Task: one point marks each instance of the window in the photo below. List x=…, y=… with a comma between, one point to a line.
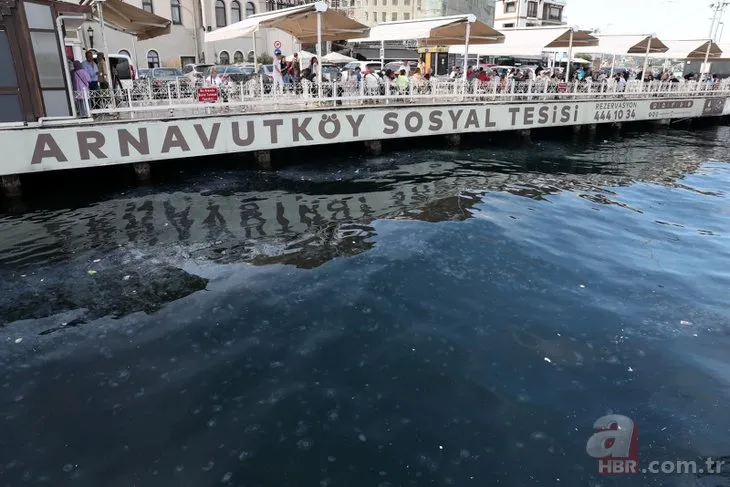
x=508, y=26
x=554, y=13
x=394, y=16
x=251, y=57
x=406, y=2
x=375, y=16
x=394, y=3
x=385, y=2
x=383, y=16
x=250, y=9
x=124, y=52
x=272, y=5
x=176, y=11
x=224, y=58
x=406, y=16
x=237, y=57
x=532, y=9
x=236, y=11
x=367, y=17
x=366, y=2
x=153, y=59
x=510, y=7
x=220, y=13
x=147, y=6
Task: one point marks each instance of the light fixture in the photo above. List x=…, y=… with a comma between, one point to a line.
x=90, y=31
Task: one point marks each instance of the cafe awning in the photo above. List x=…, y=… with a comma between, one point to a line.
x=124, y=17
x=691, y=49
x=625, y=44
x=299, y=21
x=437, y=31
x=532, y=42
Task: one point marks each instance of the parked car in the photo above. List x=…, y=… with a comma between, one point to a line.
x=196, y=71
x=125, y=69
x=233, y=74
x=396, y=65
x=161, y=78
x=349, y=69
x=143, y=73
x=331, y=73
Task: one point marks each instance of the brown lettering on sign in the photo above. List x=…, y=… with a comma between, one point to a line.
x=329, y=127
x=174, y=138
x=46, y=146
x=528, y=117
x=472, y=119
x=436, y=123
x=90, y=142
x=543, y=115
x=455, y=116
x=274, y=129
x=237, y=134
x=488, y=119
x=514, y=111
x=565, y=114
x=208, y=141
x=299, y=128
x=141, y=144
x=412, y=126
x=355, y=123
x=390, y=120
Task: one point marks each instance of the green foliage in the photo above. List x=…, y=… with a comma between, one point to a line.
x=265, y=59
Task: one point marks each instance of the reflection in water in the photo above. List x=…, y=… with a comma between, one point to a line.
x=443, y=318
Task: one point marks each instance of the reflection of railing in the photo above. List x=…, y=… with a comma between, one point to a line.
x=146, y=99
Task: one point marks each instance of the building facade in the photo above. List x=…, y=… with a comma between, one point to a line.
x=528, y=13
x=371, y=12
x=185, y=44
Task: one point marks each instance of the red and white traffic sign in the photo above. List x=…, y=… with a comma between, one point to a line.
x=277, y=44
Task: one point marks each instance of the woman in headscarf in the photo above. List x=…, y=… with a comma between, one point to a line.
x=81, y=80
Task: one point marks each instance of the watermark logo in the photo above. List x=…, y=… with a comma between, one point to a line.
x=615, y=444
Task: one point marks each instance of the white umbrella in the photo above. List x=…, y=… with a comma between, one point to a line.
x=337, y=58
x=577, y=60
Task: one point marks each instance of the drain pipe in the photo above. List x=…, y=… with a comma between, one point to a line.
x=66, y=72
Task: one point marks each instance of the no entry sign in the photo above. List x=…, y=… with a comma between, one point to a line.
x=277, y=44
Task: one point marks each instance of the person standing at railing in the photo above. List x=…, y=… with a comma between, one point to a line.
x=93, y=70
x=277, y=71
x=81, y=80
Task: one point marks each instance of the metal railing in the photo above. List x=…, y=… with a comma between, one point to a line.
x=183, y=98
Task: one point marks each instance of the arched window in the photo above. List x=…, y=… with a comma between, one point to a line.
x=237, y=57
x=250, y=9
x=153, y=59
x=224, y=58
x=124, y=52
x=176, y=11
x=251, y=57
x=220, y=13
x=235, y=11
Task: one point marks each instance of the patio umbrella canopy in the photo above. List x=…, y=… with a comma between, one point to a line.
x=625, y=44
x=337, y=58
x=300, y=22
x=132, y=20
x=691, y=49
x=437, y=31
x=531, y=42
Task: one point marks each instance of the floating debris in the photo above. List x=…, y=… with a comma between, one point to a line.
x=96, y=261
x=91, y=272
x=685, y=323
x=18, y=340
x=547, y=360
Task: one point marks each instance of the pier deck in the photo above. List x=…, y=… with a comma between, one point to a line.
x=145, y=127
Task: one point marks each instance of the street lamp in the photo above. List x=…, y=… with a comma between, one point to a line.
x=90, y=31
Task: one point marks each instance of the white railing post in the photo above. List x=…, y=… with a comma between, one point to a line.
x=169, y=93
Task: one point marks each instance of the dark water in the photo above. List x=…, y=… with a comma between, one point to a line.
x=429, y=317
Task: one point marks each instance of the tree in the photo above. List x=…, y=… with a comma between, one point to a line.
x=265, y=58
